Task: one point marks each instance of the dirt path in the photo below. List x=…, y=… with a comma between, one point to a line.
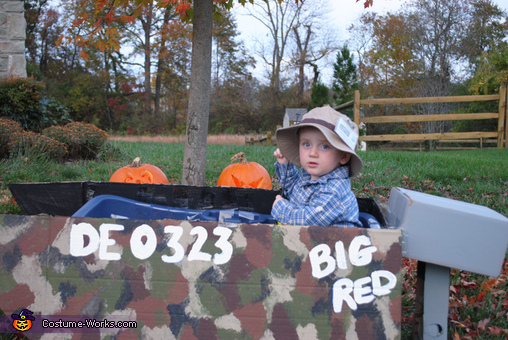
x=220, y=139
x=212, y=139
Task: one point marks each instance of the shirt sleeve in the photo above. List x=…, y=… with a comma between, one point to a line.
x=287, y=179
x=328, y=210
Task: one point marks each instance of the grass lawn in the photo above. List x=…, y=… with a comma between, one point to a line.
x=478, y=304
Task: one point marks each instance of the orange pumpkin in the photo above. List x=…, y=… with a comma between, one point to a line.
x=244, y=174
x=139, y=173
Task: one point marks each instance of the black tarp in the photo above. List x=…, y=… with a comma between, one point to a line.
x=65, y=198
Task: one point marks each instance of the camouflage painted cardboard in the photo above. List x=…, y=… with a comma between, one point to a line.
x=200, y=280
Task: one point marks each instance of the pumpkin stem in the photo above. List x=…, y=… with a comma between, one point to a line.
x=136, y=163
x=241, y=156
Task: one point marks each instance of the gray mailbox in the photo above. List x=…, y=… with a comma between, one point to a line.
x=448, y=232
x=443, y=233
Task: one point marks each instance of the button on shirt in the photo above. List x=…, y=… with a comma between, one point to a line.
x=327, y=201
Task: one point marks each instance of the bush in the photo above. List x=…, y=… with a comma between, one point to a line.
x=19, y=100
x=74, y=141
x=82, y=140
x=8, y=128
x=23, y=100
x=53, y=113
x=33, y=145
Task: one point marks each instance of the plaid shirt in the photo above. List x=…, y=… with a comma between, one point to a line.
x=327, y=201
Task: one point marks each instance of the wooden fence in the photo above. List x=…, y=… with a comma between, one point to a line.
x=501, y=135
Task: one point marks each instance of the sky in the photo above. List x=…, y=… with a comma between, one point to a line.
x=342, y=14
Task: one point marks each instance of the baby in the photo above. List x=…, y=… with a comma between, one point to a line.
x=323, y=146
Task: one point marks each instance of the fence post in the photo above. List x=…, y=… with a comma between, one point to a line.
x=501, y=126
x=356, y=114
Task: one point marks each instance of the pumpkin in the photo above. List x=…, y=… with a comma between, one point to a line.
x=139, y=173
x=244, y=174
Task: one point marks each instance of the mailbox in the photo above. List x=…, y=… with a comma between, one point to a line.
x=448, y=232
x=443, y=233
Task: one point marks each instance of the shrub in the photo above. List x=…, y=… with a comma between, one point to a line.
x=8, y=128
x=82, y=140
x=32, y=144
x=53, y=113
x=23, y=100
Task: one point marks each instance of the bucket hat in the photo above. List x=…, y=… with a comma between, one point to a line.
x=338, y=129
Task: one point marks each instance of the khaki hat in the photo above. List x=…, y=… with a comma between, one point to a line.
x=328, y=121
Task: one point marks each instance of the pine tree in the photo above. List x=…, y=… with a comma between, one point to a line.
x=345, y=78
x=320, y=95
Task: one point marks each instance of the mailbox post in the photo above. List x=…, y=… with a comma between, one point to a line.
x=443, y=233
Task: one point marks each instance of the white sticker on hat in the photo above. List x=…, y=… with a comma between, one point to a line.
x=347, y=133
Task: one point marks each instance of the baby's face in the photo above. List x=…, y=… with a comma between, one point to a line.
x=317, y=156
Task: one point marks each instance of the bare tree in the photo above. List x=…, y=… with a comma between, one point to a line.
x=162, y=59
x=361, y=35
x=487, y=28
x=312, y=43
x=438, y=28
x=279, y=17
x=141, y=35
x=230, y=59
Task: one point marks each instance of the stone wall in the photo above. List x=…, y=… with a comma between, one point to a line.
x=12, y=38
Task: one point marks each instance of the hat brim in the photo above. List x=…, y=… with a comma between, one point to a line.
x=287, y=141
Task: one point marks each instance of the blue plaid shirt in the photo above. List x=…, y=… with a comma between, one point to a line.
x=328, y=201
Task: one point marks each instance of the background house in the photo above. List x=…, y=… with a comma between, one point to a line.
x=293, y=116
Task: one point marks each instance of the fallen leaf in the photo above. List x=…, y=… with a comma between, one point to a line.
x=494, y=330
x=469, y=283
x=481, y=296
x=488, y=285
x=483, y=323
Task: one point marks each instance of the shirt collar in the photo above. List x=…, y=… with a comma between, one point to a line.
x=341, y=172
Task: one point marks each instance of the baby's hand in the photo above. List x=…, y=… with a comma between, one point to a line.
x=277, y=198
x=280, y=157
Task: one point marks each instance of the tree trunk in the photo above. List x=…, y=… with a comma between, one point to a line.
x=161, y=64
x=194, y=159
x=147, y=28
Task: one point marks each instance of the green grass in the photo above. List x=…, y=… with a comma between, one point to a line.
x=475, y=176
